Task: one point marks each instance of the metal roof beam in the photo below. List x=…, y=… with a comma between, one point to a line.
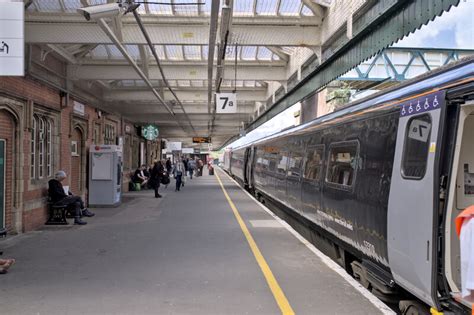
x=198, y=72
x=166, y=34
x=279, y=52
x=184, y=96
x=318, y=10
x=63, y=53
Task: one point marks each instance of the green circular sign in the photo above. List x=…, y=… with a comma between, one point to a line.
x=150, y=132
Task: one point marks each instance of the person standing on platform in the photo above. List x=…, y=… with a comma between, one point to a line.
x=169, y=166
x=156, y=175
x=191, y=168
x=200, y=165
x=178, y=172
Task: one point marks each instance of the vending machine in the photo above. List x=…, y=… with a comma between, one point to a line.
x=105, y=175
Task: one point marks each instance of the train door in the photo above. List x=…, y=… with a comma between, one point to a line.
x=293, y=177
x=311, y=181
x=414, y=196
x=460, y=195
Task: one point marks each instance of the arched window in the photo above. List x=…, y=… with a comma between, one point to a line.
x=49, y=148
x=33, y=148
x=41, y=147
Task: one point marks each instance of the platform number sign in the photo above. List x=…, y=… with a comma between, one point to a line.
x=226, y=103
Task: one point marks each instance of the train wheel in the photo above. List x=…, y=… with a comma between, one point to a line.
x=413, y=308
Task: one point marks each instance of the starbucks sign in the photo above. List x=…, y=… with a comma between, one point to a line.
x=150, y=132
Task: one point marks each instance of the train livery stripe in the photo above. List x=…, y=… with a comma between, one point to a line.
x=277, y=292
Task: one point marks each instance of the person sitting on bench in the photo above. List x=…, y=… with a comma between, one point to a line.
x=139, y=177
x=58, y=197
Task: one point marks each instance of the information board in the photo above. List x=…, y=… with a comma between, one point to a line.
x=12, y=43
x=102, y=166
x=201, y=139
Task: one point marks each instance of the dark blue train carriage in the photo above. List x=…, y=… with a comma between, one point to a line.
x=377, y=185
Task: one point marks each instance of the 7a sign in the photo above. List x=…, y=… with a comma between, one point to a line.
x=226, y=103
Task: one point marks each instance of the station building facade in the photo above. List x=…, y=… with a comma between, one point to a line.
x=44, y=130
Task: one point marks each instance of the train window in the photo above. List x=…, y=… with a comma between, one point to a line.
x=282, y=163
x=295, y=163
x=342, y=165
x=417, y=145
x=314, y=163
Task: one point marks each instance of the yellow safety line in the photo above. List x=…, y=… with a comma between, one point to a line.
x=278, y=294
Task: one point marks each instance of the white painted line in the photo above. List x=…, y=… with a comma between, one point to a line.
x=328, y=261
x=265, y=224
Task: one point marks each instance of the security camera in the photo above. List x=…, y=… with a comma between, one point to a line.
x=100, y=11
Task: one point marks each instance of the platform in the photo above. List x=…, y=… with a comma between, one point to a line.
x=186, y=253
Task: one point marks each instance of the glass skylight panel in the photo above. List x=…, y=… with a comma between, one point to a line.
x=114, y=52
x=96, y=2
x=192, y=52
x=306, y=11
x=49, y=6
x=160, y=51
x=184, y=83
x=133, y=51
x=205, y=51
x=72, y=5
x=128, y=83
x=267, y=7
x=248, y=52
x=164, y=9
x=230, y=52
x=275, y=57
x=197, y=83
x=249, y=83
x=206, y=8
x=243, y=7
x=100, y=52
x=264, y=54
x=174, y=52
x=290, y=8
x=185, y=9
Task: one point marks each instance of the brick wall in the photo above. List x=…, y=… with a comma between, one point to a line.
x=6, y=133
x=40, y=99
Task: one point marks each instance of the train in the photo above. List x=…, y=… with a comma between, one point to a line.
x=377, y=185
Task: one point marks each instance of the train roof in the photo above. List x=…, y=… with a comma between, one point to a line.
x=433, y=80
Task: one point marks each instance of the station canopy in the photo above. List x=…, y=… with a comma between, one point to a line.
x=258, y=45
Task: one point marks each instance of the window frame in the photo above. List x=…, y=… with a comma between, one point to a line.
x=323, y=160
x=33, y=142
x=348, y=188
x=428, y=142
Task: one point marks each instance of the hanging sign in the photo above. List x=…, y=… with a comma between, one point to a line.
x=226, y=103
x=12, y=43
x=174, y=146
x=201, y=139
x=150, y=132
x=187, y=150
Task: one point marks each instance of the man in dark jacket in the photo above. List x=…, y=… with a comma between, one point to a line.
x=156, y=175
x=59, y=197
